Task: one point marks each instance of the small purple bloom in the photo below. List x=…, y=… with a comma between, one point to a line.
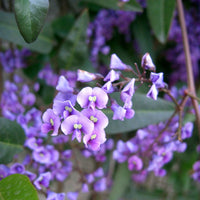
x=55, y=196
x=153, y=92
x=85, y=188
x=118, y=111
x=94, y=140
x=135, y=163
x=99, y=172
x=17, y=168
x=147, y=62
x=43, y=180
x=42, y=155
x=157, y=80
x=90, y=97
x=4, y=171
x=100, y=185
x=76, y=124
x=196, y=171
x=116, y=63
x=128, y=91
x=30, y=175
x=51, y=122
x=72, y=195
x=108, y=87
x=63, y=85
x=186, y=131
x=112, y=76
x=64, y=108
x=84, y=76
x=99, y=119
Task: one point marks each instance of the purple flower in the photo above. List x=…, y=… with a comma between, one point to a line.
x=124, y=149
x=99, y=172
x=140, y=177
x=51, y=122
x=186, y=131
x=76, y=124
x=64, y=108
x=128, y=91
x=118, y=111
x=4, y=171
x=99, y=119
x=42, y=155
x=43, y=180
x=147, y=62
x=72, y=195
x=94, y=140
x=112, y=76
x=116, y=63
x=196, y=171
x=28, y=99
x=90, y=97
x=17, y=168
x=108, y=87
x=30, y=175
x=100, y=185
x=153, y=92
x=84, y=76
x=135, y=163
x=157, y=80
x=63, y=85
x=55, y=196
x=33, y=143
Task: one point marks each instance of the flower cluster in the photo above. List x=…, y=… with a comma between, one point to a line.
x=14, y=59
x=151, y=148
x=175, y=55
x=91, y=121
x=102, y=28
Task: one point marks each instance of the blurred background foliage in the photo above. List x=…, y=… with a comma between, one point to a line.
x=59, y=36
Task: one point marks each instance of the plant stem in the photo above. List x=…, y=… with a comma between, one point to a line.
x=190, y=77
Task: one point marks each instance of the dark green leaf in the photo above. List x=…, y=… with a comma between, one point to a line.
x=73, y=51
x=115, y=4
x=62, y=25
x=143, y=35
x=160, y=14
x=121, y=182
x=17, y=187
x=9, y=31
x=147, y=111
x=30, y=16
x=12, y=138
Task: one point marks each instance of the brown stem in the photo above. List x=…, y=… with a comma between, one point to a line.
x=190, y=77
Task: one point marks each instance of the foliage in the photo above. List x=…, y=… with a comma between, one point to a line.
x=69, y=65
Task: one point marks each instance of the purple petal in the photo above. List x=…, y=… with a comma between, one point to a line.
x=153, y=92
x=101, y=97
x=83, y=97
x=63, y=85
x=67, y=125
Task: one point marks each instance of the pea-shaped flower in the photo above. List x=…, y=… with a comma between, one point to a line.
x=92, y=97
x=77, y=124
x=51, y=122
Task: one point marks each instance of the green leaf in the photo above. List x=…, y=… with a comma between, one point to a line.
x=9, y=31
x=147, y=111
x=62, y=25
x=12, y=138
x=30, y=16
x=121, y=182
x=17, y=187
x=160, y=14
x=73, y=51
x=143, y=35
x=115, y=4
